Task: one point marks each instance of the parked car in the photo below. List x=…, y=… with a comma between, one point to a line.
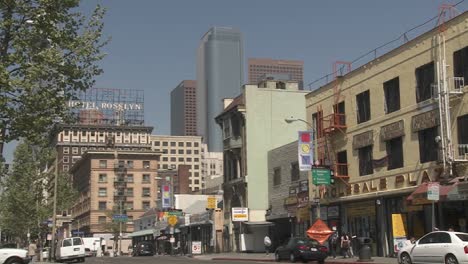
x=144, y=248
x=69, y=249
x=14, y=256
x=301, y=248
x=437, y=247
x=45, y=253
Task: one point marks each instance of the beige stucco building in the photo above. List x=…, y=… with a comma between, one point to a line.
x=381, y=129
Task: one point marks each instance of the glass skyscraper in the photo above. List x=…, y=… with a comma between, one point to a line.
x=220, y=70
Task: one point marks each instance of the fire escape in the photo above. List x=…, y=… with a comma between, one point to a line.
x=120, y=183
x=445, y=90
x=329, y=125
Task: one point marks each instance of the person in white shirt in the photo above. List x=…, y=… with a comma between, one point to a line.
x=267, y=242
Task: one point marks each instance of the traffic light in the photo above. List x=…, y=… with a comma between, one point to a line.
x=332, y=176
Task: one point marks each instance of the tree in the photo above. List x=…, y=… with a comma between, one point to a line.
x=23, y=205
x=48, y=52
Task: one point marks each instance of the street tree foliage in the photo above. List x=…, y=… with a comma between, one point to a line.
x=48, y=52
x=113, y=226
x=26, y=201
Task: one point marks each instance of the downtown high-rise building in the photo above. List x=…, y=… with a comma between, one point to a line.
x=219, y=75
x=261, y=68
x=184, y=109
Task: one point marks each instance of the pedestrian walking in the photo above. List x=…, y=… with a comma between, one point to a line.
x=267, y=243
x=334, y=242
x=345, y=245
x=32, y=248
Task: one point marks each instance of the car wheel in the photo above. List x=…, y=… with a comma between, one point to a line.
x=292, y=258
x=405, y=258
x=277, y=257
x=14, y=261
x=451, y=259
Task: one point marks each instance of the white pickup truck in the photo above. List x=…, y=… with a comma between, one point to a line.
x=14, y=256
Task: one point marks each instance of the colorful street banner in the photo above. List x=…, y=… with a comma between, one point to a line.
x=166, y=196
x=305, y=150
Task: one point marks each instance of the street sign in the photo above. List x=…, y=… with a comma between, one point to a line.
x=320, y=176
x=240, y=214
x=176, y=213
x=196, y=247
x=211, y=202
x=433, y=191
x=120, y=218
x=172, y=220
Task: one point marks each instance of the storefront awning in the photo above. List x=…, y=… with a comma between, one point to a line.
x=141, y=233
x=259, y=223
x=419, y=196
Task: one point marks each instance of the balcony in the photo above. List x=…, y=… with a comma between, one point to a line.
x=232, y=142
x=341, y=170
x=333, y=122
x=462, y=152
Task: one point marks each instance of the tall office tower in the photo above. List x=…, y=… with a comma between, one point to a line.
x=259, y=68
x=184, y=109
x=219, y=75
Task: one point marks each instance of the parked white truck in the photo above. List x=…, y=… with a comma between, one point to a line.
x=14, y=256
x=93, y=246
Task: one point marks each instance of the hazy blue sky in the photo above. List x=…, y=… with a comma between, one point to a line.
x=154, y=42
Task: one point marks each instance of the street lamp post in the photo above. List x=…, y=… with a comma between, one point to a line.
x=290, y=120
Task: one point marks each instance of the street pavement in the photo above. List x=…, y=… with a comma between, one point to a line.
x=224, y=258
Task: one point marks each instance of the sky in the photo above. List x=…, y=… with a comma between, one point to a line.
x=154, y=42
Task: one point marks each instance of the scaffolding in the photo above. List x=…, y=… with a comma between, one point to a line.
x=106, y=106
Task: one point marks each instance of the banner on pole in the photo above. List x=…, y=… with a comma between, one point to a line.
x=305, y=150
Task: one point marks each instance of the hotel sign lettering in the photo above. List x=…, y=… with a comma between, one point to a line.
x=363, y=139
x=392, y=130
x=425, y=120
x=104, y=105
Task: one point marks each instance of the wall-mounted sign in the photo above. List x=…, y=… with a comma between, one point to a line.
x=321, y=175
x=433, y=191
x=305, y=150
x=211, y=202
x=240, y=214
x=166, y=196
x=304, y=186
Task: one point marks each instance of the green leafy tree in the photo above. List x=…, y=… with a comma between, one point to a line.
x=23, y=203
x=48, y=52
x=114, y=226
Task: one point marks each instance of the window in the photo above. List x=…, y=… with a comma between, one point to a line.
x=129, y=205
x=146, y=192
x=394, y=153
x=102, y=192
x=189, y=159
x=130, y=178
x=67, y=243
x=65, y=167
x=340, y=110
x=83, y=150
x=181, y=144
x=173, y=144
x=392, y=95
x=429, y=239
x=75, y=159
x=460, y=64
x=196, y=144
x=277, y=176
x=65, y=159
x=157, y=143
x=130, y=164
x=181, y=151
x=341, y=163
x=462, y=122
x=295, y=171
x=102, y=205
x=103, y=164
x=226, y=128
x=197, y=167
x=146, y=164
x=101, y=219
x=146, y=205
x=189, y=151
x=181, y=159
x=363, y=107
x=130, y=192
x=189, y=144
x=173, y=159
x=428, y=147
x=165, y=159
x=75, y=150
x=424, y=81
x=146, y=178
x=66, y=150
x=173, y=151
x=196, y=160
x=164, y=144
x=102, y=177
x=365, y=161
x=195, y=152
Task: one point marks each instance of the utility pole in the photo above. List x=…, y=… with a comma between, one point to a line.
x=54, y=216
x=120, y=229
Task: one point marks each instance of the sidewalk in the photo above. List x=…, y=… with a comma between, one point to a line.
x=271, y=258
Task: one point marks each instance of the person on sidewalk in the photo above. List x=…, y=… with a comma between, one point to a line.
x=345, y=245
x=334, y=242
x=32, y=248
x=267, y=243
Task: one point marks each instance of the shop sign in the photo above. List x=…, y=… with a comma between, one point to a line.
x=425, y=120
x=211, y=202
x=392, y=130
x=333, y=211
x=303, y=199
x=292, y=190
x=304, y=186
x=196, y=247
x=291, y=200
x=240, y=214
x=363, y=140
x=360, y=208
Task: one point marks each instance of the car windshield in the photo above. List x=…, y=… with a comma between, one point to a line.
x=463, y=237
x=306, y=242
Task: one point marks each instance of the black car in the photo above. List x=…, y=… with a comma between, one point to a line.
x=144, y=248
x=301, y=248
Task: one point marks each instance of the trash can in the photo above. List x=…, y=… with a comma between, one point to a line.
x=364, y=248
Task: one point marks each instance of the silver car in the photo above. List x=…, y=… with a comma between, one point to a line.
x=437, y=247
